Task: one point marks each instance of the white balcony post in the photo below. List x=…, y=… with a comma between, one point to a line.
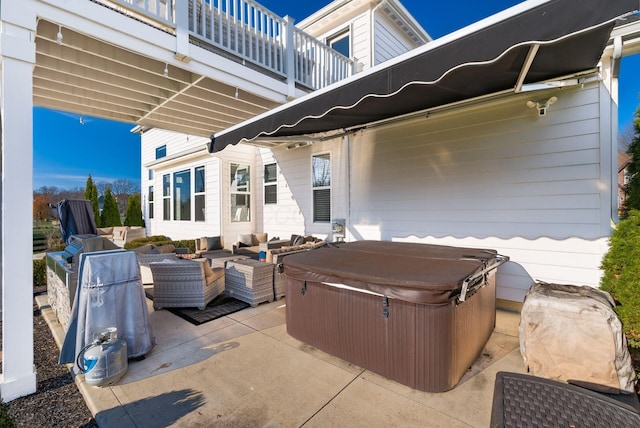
x=290, y=58
x=17, y=57
x=182, y=29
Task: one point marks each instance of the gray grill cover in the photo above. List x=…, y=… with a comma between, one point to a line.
x=110, y=294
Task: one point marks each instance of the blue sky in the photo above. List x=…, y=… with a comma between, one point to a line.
x=67, y=151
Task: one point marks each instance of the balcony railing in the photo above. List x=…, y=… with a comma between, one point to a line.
x=250, y=33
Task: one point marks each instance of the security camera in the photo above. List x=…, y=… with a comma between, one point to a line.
x=542, y=105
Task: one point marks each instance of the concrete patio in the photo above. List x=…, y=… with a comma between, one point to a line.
x=244, y=370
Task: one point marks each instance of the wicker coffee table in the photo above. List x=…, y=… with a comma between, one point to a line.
x=249, y=280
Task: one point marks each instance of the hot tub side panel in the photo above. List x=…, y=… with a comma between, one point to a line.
x=450, y=338
x=427, y=347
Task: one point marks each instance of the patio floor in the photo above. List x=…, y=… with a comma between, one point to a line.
x=244, y=370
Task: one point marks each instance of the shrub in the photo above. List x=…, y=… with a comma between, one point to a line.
x=110, y=214
x=621, y=277
x=39, y=272
x=158, y=240
x=155, y=240
x=134, y=211
x=5, y=419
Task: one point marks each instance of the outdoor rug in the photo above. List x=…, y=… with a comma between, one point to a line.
x=218, y=307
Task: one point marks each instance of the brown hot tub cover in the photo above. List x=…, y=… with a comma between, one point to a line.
x=418, y=314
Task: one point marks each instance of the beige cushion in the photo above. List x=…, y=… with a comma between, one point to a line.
x=165, y=249
x=211, y=274
x=144, y=249
x=260, y=237
x=105, y=230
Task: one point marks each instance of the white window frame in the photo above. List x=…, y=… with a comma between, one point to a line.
x=235, y=215
x=270, y=184
x=202, y=194
x=325, y=187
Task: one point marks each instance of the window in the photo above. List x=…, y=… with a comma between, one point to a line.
x=271, y=183
x=161, y=151
x=150, y=174
x=341, y=42
x=321, y=183
x=150, y=201
x=166, y=197
x=182, y=195
x=626, y=177
x=240, y=192
x=199, y=194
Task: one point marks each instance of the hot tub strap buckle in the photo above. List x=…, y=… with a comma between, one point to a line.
x=385, y=305
x=303, y=290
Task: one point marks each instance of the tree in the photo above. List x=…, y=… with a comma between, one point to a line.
x=51, y=194
x=110, y=214
x=41, y=210
x=121, y=190
x=134, y=211
x=91, y=194
x=632, y=189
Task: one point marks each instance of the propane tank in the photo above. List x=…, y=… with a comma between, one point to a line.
x=104, y=360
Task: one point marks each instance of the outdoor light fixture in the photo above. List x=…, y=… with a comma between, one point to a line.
x=166, y=70
x=59, y=35
x=299, y=144
x=542, y=105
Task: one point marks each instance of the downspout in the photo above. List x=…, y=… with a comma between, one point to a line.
x=347, y=150
x=616, y=59
x=372, y=41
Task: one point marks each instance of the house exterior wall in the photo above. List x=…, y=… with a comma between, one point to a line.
x=218, y=219
x=365, y=22
x=496, y=176
x=389, y=40
x=534, y=188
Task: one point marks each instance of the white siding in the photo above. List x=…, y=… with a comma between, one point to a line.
x=217, y=212
x=389, y=40
x=294, y=211
x=497, y=176
x=360, y=42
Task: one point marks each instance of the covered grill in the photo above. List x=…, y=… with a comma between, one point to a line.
x=417, y=314
x=62, y=271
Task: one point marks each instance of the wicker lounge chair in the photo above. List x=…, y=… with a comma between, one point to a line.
x=521, y=400
x=144, y=260
x=185, y=283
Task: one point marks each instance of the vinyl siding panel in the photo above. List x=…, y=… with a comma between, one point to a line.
x=360, y=43
x=389, y=41
x=497, y=176
x=217, y=217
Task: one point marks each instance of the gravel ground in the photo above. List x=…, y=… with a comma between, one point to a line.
x=57, y=401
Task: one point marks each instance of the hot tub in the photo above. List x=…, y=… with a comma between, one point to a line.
x=415, y=313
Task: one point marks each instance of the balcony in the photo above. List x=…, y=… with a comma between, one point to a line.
x=246, y=32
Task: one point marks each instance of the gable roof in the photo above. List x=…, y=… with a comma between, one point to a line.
x=532, y=42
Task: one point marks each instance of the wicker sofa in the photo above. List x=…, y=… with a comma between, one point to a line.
x=277, y=255
x=120, y=235
x=210, y=247
x=248, y=244
x=185, y=283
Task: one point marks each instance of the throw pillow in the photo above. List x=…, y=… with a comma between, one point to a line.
x=246, y=239
x=213, y=243
x=260, y=237
x=299, y=240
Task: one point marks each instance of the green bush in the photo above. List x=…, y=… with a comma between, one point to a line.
x=5, y=419
x=621, y=277
x=158, y=240
x=39, y=272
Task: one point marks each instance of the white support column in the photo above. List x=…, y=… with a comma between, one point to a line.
x=290, y=59
x=182, y=30
x=17, y=58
